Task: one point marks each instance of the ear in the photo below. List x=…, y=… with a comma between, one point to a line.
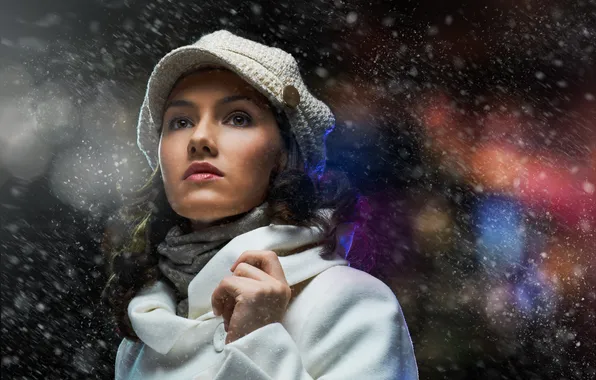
x=283, y=161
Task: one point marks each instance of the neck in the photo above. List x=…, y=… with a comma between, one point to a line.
x=198, y=225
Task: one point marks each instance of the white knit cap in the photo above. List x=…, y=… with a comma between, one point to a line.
x=271, y=71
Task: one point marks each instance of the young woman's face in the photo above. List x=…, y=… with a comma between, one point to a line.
x=214, y=116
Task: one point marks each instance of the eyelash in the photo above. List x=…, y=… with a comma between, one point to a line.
x=247, y=116
x=172, y=122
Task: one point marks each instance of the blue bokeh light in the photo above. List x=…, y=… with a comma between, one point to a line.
x=500, y=229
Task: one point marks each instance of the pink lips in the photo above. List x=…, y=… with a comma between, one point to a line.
x=201, y=171
x=200, y=177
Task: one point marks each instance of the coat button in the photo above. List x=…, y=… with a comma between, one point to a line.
x=291, y=96
x=219, y=337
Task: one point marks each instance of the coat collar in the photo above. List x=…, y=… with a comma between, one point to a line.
x=152, y=311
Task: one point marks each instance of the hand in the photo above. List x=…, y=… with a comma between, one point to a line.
x=255, y=295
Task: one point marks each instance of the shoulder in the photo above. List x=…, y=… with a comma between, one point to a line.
x=351, y=295
x=355, y=327
x=352, y=283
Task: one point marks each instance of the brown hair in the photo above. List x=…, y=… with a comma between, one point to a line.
x=132, y=234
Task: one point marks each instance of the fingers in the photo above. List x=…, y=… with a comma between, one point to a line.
x=234, y=332
x=228, y=311
x=249, y=271
x=227, y=291
x=258, y=281
x=267, y=261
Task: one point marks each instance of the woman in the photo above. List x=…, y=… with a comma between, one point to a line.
x=235, y=267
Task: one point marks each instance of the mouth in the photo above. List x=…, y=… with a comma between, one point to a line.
x=201, y=177
x=199, y=171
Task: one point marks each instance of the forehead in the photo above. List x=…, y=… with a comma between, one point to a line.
x=216, y=82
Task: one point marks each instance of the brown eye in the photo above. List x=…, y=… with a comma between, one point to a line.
x=178, y=122
x=240, y=119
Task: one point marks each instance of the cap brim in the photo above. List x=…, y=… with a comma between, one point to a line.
x=189, y=58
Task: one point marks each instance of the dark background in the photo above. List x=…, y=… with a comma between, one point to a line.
x=468, y=126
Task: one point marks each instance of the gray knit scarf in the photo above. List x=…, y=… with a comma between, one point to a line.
x=183, y=255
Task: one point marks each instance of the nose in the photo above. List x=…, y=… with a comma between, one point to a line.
x=203, y=139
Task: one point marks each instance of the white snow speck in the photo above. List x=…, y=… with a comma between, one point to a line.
x=322, y=72
x=433, y=30
x=352, y=17
x=256, y=9
x=388, y=21
x=48, y=20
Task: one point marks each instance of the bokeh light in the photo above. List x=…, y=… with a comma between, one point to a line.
x=106, y=120
x=86, y=177
x=500, y=235
x=56, y=113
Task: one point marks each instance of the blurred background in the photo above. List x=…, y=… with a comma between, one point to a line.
x=469, y=127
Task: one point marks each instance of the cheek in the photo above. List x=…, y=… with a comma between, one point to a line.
x=252, y=161
x=169, y=161
x=259, y=155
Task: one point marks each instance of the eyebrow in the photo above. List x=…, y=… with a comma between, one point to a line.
x=227, y=99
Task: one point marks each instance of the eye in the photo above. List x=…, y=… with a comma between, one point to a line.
x=240, y=119
x=179, y=122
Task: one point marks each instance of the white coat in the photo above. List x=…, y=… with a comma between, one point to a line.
x=343, y=323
